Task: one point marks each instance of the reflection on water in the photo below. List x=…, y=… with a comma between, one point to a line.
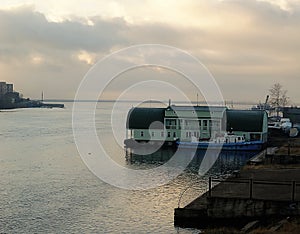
x=226, y=161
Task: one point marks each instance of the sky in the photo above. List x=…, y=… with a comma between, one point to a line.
x=247, y=45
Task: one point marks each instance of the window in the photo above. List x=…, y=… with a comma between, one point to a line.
x=152, y=134
x=171, y=124
x=174, y=134
x=169, y=134
x=204, y=124
x=255, y=137
x=187, y=134
x=142, y=133
x=162, y=134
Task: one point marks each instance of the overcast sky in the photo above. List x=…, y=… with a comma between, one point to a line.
x=247, y=45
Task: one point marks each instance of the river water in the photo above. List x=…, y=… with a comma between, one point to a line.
x=45, y=187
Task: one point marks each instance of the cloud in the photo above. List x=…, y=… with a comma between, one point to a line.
x=36, y=54
x=243, y=43
x=25, y=27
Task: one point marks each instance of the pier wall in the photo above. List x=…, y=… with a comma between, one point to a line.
x=237, y=212
x=221, y=207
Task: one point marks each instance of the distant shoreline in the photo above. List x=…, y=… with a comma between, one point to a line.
x=30, y=104
x=237, y=103
x=149, y=101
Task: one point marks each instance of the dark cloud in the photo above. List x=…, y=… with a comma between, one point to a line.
x=24, y=27
x=254, y=44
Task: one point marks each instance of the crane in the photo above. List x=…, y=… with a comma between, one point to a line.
x=266, y=102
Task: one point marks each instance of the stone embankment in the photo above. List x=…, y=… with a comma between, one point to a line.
x=267, y=189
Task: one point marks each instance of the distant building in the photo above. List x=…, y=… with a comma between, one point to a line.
x=5, y=88
x=11, y=100
x=10, y=88
x=293, y=113
x=11, y=97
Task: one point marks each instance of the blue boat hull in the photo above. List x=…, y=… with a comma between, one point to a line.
x=240, y=146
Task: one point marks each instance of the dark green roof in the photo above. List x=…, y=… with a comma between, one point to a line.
x=142, y=118
x=245, y=120
x=237, y=120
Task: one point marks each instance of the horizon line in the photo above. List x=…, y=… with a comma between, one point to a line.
x=163, y=101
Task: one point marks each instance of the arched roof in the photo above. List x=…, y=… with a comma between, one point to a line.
x=142, y=118
x=245, y=120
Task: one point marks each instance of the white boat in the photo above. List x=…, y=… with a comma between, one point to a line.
x=283, y=124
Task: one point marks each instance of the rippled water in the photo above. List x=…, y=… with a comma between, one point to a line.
x=46, y=188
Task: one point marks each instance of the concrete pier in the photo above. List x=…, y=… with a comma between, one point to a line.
x=256, y=194
x=52, y=105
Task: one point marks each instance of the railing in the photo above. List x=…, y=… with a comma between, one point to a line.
x=252, y=188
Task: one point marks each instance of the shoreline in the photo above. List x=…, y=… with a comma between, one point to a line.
x=30, y=104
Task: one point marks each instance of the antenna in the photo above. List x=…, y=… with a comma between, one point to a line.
x=42, y=96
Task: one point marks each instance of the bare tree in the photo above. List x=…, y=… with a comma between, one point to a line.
x=278, y=97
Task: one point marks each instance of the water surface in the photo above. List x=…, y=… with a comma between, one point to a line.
x=46, y=188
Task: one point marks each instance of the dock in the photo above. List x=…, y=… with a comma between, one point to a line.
x=52, y=105
x=250, y=195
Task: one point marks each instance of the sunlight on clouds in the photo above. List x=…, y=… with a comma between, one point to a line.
x=179, y=13
x=12, y=5
x=115, y=9
x=240, y=41
x=211, y=53
x=286, y=5
x=36, y=59
x=54, y=18
x=90, y=22
x=86, y=57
